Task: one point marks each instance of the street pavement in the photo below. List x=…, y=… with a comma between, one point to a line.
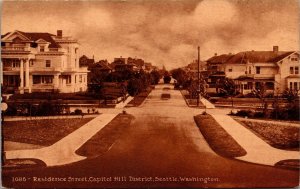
x=162, y=148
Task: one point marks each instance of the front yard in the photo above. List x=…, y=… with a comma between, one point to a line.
x=44, y=132
x=278, y=134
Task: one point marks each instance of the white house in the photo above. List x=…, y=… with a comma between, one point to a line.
x=276, y=70
x=41, y=62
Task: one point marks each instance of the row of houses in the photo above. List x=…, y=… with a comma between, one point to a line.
x=119, y=64
x=44, y=62
x=276, y=70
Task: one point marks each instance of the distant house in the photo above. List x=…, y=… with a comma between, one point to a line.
x=148, y=67
x=123, y=64
x=101, y=66
x=276, y=70
x=41, y=62
x=85, y=61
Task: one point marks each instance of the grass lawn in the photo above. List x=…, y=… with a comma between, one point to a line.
x=140, y=98
x=106, y=137
x=41, y=132
x=217, y=138
x=190, y=101
x=277, y=135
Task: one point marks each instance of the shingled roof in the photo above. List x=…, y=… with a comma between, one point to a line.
x=220, y=58
x=258, y=56
x=36, y=36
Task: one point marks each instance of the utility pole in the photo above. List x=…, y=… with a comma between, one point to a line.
x=198, y=83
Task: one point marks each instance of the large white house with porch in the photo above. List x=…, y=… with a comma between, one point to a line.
x=41, y=62
x=276, y=70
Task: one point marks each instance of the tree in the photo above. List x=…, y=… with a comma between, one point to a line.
x=180, y=76
x=167, y=79
x=155, y=77
x=227, y=88
x=134, y=86
x=290, y=94
x=260, y=92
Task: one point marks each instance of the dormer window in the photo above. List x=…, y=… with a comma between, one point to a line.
x=42, y=48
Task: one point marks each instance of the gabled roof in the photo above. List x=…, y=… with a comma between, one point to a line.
x=258, y=56
x=101, y=66
x=220, y=58
x=36, y=36
x=2, y=36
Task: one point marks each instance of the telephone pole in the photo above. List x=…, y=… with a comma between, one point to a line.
x=198, y=83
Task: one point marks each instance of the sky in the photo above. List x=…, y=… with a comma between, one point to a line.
x=163, y=32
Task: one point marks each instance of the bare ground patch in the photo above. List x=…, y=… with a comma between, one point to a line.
x=102, y=141
x=217, y=138
x=44, y=132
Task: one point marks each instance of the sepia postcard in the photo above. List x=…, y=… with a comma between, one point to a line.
x=150, y=94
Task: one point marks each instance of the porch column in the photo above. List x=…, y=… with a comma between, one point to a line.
x=56, y=82
x=27, y=86
x=21, y=88
x=73, y=83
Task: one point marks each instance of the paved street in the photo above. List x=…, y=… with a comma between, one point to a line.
x=162, y=143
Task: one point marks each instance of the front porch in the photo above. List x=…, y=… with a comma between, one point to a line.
x=246, y=85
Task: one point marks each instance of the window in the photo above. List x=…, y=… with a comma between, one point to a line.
x=291, y=85
x=296, y=70
x=257, y=70
x=15, y=63
x=75, y=78
x=295, y=86
x=42, y=49
x=294, y=59
x=68, y=79
x=48, y=63
x=257, y=85
x=249, y=70
x=42, y=79
x=291, y=70
x=80, y=78
x=269, y=85
x=250, y=85
x=31, y=63
x=230, y=69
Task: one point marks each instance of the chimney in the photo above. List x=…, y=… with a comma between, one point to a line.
x=275, y=48
x=59, y=33
x=216, y=54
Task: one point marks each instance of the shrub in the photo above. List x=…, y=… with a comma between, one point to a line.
x=259, y=115
x=78, y=112
x=244, y=113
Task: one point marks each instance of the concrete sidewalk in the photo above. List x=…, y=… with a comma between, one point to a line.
x=63, y=151
x=258, y=151
x=123, y=104
x=206, y=103
x=24, y=118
